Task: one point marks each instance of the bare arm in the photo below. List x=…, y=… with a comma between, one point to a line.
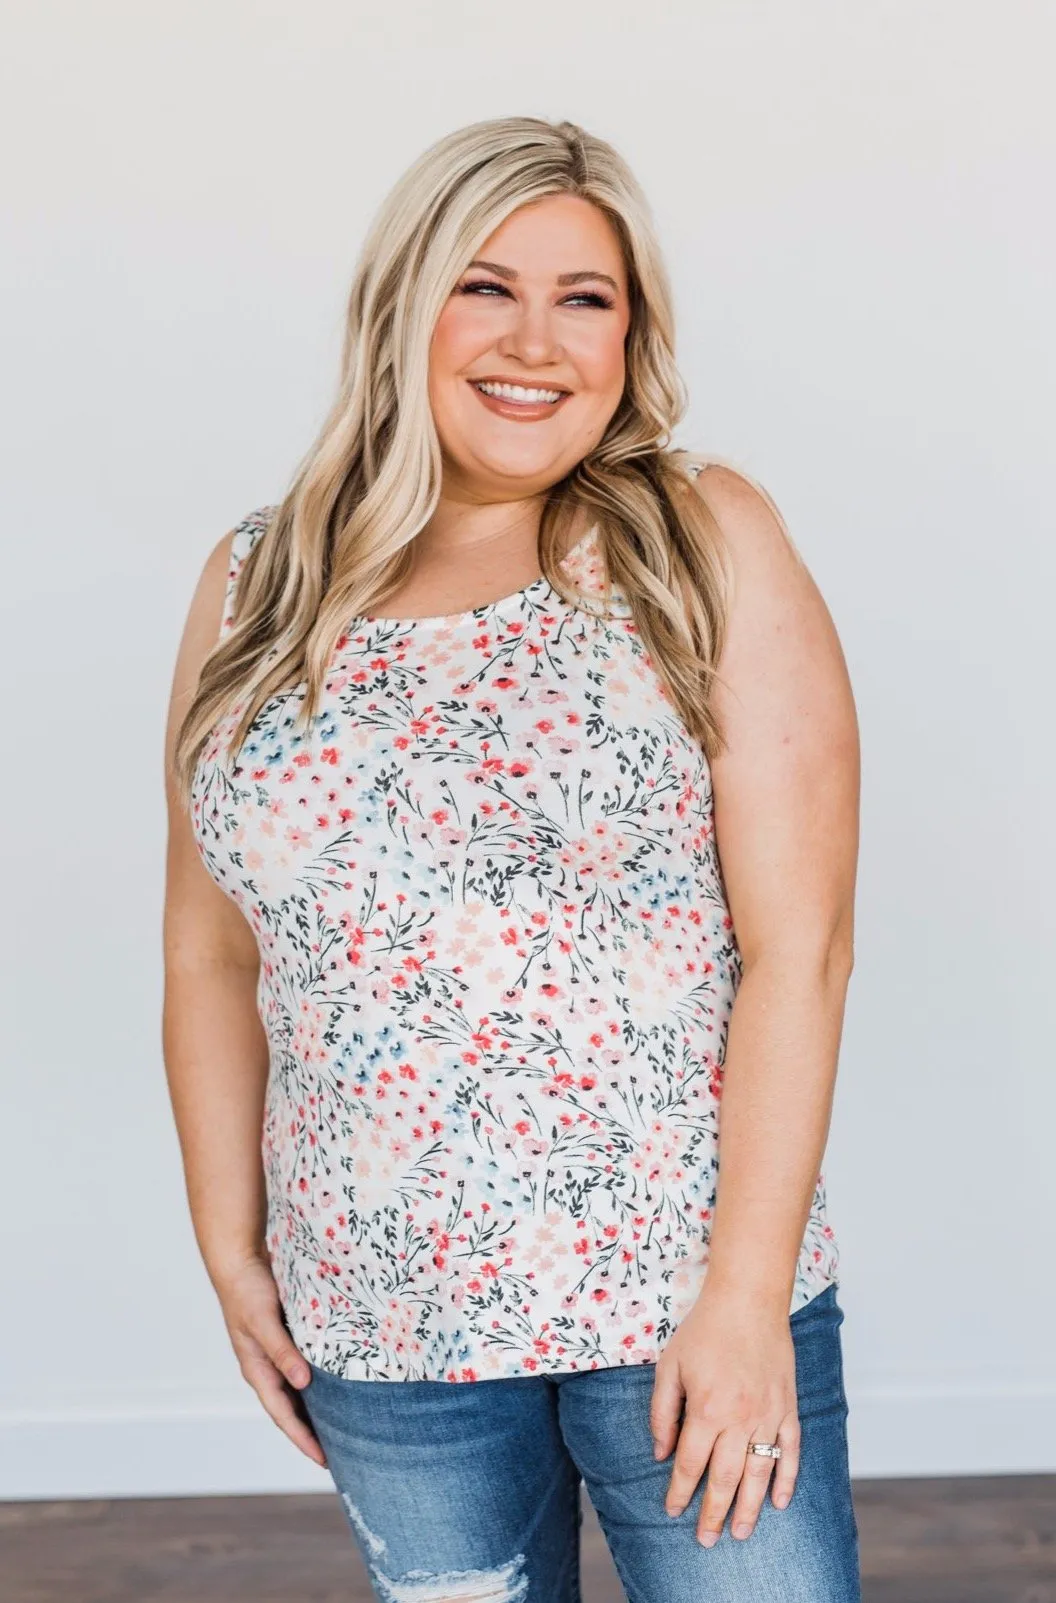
x=216, y=1063
x=786, y=822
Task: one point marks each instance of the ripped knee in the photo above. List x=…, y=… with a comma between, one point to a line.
x=507, y=1583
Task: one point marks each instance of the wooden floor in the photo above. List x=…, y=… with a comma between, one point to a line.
x=970, y=1540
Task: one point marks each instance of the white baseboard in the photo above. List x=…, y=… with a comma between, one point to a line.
x=892, y=1432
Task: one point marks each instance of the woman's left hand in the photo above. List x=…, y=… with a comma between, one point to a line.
x=734, y=1363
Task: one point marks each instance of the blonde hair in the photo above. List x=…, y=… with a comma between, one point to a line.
x=339, y=542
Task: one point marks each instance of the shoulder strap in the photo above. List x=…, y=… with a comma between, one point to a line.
x=694, y=462
x=244, y=537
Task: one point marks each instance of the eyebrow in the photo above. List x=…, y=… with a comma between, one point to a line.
x=510, y=273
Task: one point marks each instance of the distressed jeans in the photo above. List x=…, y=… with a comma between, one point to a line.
x=469, y=1492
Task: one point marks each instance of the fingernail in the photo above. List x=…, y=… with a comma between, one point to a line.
x=742, y=1531
x=658, y=1449
x=780, y=1501
x=708, y=1538
x=675, y=1509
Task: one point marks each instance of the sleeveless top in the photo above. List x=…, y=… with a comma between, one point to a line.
x=497, y=967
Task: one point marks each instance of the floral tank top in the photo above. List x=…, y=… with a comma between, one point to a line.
x=496, y=972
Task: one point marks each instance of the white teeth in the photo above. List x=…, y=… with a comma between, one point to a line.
x=518, y=392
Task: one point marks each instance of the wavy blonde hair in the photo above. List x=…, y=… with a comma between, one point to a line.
x=340, y=541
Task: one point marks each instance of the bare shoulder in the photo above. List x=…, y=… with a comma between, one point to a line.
x=202, y=924
x=201, y=630
x=786, y=783
x=769, y=576
x=754, y=530
x=783, y=675
x=205, y=612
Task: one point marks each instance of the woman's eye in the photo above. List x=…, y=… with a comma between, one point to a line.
x=485, y=286
x=477, y=285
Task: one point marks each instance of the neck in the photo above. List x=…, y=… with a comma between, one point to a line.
x=470, y=552
x=463, y=528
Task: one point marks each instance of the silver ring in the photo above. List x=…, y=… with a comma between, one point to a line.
x=765, y=1449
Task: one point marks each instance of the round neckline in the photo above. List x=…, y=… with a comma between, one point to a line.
x=540, y=585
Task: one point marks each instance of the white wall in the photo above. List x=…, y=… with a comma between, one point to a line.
x=857, y=207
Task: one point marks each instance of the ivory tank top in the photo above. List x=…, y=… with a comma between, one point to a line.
x=496, y=972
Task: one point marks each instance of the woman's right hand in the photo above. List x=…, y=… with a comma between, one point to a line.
x=267, y=1357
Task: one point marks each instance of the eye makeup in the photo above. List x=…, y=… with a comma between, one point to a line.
x=590, y=297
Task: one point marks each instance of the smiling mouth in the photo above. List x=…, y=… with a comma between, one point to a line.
x=519, y=394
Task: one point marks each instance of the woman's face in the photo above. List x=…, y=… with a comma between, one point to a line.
x=544, y=308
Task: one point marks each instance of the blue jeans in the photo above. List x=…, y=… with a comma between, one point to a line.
x=470, y=1490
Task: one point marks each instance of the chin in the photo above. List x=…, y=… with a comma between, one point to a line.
x=517, y=459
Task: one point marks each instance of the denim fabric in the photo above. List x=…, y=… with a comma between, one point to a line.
x=469, y=1491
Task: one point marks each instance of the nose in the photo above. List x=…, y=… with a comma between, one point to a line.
x=529, y=336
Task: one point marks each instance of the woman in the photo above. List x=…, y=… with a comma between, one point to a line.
x=458, y=731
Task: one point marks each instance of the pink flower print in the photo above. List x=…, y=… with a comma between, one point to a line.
x=487, y=769
x=307, y=1042
x=397, y=1326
